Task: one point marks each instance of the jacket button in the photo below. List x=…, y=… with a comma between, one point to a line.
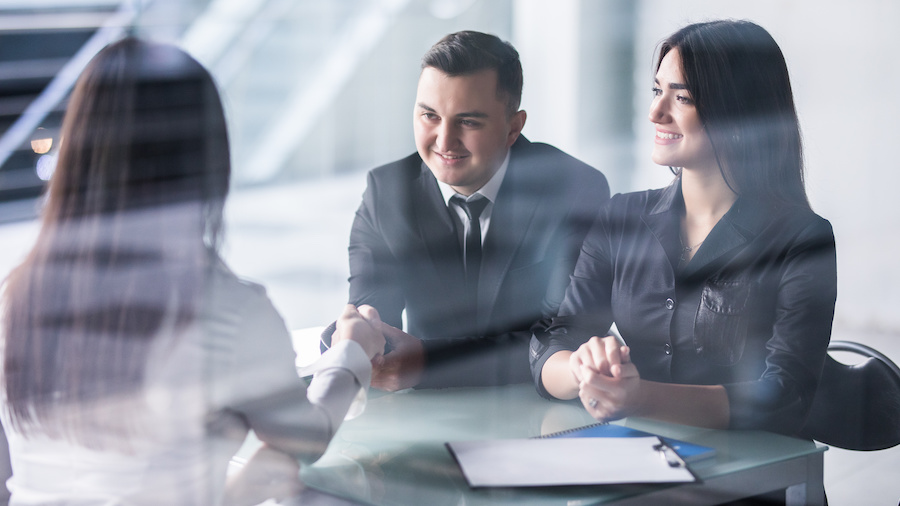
x=668, y=348
x=670, y=303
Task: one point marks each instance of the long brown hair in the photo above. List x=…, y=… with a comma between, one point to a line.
x=739, y=81
x=131, y=225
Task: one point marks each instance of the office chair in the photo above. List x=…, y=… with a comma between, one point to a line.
x=856, y=407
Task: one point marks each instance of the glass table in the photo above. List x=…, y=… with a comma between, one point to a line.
x=394, y=454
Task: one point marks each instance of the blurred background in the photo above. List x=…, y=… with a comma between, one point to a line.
x=318, y=92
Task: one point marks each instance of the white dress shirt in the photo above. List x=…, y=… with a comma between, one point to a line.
x=488, y=191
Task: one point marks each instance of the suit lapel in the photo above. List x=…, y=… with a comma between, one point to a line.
x=735, y=229
x=724, y=237
x=732, y=231
x=517, y=202
x=438, y=231
x=664, y=227
x=663, y=222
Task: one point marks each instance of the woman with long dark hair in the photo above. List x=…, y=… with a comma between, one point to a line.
x=722, y=284
x=134, y=360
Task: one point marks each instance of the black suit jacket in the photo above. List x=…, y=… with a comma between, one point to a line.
x=751, y=311
x=405, y=254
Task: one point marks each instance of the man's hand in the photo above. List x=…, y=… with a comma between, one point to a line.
x=362, y=325
x=402, y=367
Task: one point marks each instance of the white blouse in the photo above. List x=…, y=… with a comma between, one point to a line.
x=233, y=370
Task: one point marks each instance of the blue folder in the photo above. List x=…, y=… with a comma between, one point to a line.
x=690, y=452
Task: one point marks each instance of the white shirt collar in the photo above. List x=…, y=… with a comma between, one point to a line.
x=488, y=191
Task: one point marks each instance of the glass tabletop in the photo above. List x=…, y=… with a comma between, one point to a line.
x=395, y=452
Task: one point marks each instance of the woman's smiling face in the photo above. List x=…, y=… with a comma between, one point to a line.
x=681, y=139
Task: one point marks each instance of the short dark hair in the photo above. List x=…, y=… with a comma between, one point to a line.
x=468, y=52
x=739, y=81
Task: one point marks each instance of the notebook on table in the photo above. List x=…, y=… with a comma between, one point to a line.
x=690, y=452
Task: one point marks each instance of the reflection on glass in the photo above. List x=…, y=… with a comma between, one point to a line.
x=42, y=145
x=45, y=166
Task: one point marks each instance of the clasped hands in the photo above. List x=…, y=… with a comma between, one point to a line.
x=396, y=370
x=609, y=385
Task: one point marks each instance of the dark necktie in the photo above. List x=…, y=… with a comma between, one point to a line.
x=472, y=260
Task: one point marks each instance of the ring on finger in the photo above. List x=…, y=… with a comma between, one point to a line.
x=592, y=402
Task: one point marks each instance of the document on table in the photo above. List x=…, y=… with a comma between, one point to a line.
x=568, y=461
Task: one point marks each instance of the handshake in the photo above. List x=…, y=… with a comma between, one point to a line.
x=395, y=370
x=363, y=326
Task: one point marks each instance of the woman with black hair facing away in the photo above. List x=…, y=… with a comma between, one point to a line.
x=134, y=360
x=722, y=284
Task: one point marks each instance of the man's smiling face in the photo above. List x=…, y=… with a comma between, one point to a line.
x=462, y=128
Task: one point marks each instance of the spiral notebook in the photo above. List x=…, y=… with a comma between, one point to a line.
x=690, y=452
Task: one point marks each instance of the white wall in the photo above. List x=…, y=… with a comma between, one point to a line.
x=843, y=64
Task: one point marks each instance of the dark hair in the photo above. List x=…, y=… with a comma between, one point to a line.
x=130, y=228
x=738, y=79
x=468, y=52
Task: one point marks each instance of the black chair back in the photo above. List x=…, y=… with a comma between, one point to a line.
x=856, y=407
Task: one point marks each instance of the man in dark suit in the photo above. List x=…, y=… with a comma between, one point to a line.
x=476, y=234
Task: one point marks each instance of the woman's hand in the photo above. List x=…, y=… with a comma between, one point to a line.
x=362, y=325
x=598, y=354
x=609, y=385
x=563, y=373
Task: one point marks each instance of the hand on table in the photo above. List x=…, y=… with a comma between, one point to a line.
x=609, y=384
x=402, y=367
x=362, y=325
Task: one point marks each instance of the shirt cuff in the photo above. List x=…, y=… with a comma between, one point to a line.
x=538, y=357
x=349, y=356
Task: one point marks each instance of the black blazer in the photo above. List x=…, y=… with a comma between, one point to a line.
x=405, y=254
x=751, y=311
